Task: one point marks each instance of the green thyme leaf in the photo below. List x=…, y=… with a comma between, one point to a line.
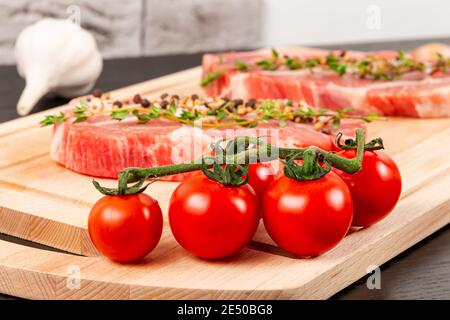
x=146, y=117
x=311, y=63
x=221, y=115
x=84, y=105
x=172, y=107
x=80, y=112
x=331, y=59
x=340, y=69
x=52, y=119
x=266, y=65
x=400, y=55
x=371, y=117
x=80, y=118
x=420, y=66
x=188, y=115
x=119, y=114
x=211, y=77
x=293, y=64
x=363, y=64
x=275, y=53
x=242, y=66
x=335, y=64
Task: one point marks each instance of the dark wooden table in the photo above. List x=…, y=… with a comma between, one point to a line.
x=422, y=272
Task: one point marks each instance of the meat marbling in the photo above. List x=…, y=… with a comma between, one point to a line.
x=102, y=147
x=413, y=95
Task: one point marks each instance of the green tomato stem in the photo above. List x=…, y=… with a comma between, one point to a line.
x=264, y=152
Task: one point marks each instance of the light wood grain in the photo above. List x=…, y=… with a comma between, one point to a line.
x=46, y=203
x=171, y=273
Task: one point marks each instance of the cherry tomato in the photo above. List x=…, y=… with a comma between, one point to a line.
x=260, y=176
x=307, y=218
x=125, y=228
x=375, y=189
x=210, y=220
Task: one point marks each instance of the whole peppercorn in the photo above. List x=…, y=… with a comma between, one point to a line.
x=137, y=98
x=231, y=107
x=164, y=104
x=194, y=97
x=164, y=96
x=97, y=93
x=238, y=102
x=250, y=103
x=175, y=97
x=118, y=104
x=145, y=103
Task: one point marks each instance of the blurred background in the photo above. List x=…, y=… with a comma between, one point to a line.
x=125, y=28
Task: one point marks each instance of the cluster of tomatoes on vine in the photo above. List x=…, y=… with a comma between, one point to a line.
x=306, y=211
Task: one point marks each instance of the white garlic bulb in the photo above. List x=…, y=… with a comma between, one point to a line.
x=56, y=55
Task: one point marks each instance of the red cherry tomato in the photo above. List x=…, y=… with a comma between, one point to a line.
x=375, y=189
x=260, y=176
x=125, y=228
x=210, y=220
x=307, y=218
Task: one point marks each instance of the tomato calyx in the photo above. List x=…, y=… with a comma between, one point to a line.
x=317, y=163
x=229, y=175
x=349, y=143
x=123, y=188
x=311, y=169
x=227, y=167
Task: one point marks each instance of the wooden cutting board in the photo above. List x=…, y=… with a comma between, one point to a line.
x=46, y=203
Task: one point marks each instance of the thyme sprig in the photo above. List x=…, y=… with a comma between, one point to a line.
x=215, y=113
x=53, y=119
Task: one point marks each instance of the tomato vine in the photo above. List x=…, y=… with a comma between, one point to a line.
x=230, y=163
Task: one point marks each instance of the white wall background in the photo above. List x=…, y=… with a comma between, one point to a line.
x=313, y=22
x=126, y=28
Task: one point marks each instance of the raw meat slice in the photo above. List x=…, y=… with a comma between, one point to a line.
x=102, y=147
x=415, y=94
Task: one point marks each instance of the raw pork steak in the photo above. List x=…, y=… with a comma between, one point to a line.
x=413, y=94
x=102, y=147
